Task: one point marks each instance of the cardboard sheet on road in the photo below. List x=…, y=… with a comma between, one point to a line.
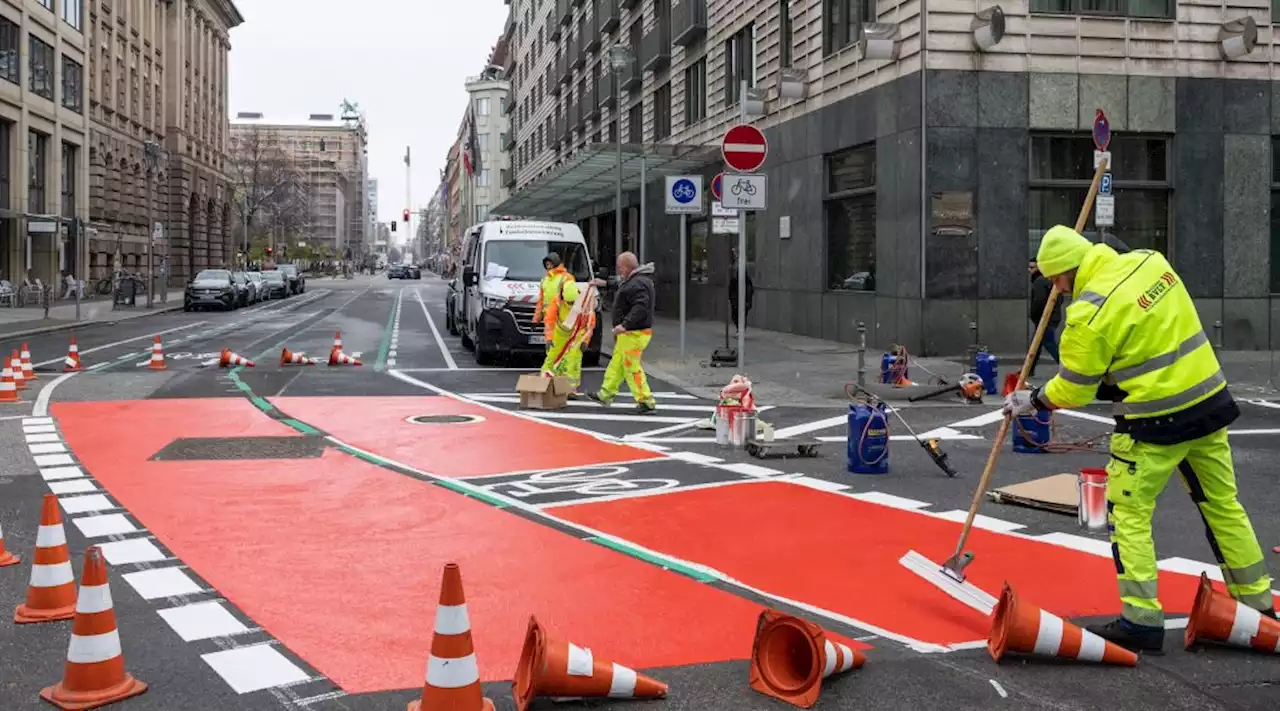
x=1058, y=493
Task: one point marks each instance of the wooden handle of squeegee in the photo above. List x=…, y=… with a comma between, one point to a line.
x=1041, y=327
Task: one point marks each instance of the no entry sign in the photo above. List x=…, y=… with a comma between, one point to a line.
x=744, y=148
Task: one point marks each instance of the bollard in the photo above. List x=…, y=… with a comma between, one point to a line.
x=1217, y=334
x=971, y=353
x=862, y=353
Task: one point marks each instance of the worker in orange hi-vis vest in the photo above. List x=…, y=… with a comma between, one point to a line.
x=558, y=293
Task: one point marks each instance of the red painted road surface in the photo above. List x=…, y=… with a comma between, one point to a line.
x=501, y=443
x=842, y=554
x=341, y=560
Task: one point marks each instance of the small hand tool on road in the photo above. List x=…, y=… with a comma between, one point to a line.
x=931, y=446
x=949, y=577
x=969, y=389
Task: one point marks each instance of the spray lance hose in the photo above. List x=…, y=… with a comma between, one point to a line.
x=856, y=392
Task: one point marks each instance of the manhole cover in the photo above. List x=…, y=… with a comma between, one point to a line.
x=443, y=419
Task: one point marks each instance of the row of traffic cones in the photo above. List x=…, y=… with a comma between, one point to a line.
x=1216, y=617
x=15, y=374
x=337, y=356
x=94, y=674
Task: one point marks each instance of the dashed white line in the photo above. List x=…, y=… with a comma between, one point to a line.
x=202, y=620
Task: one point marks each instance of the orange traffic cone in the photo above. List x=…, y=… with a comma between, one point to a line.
x=6, y=558
x=288, y=357
x=52, y=592
x=8, y=389
x=72, y=362
x=94, y=674
x=1010, y=383
x=157, y=355
x=28, y=372
x=337, y=340
x=15, y=367
x=229, y=359
x=1018, y=626
x=1218, y=617
x=565, y=670
x=337, y=357
x=790, y=657
x=453, y=677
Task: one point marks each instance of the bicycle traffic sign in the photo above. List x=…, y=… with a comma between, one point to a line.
x=684, y=195
x=744, y=148
x=746, y=192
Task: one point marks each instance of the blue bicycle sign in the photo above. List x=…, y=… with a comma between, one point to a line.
x=684, y=191
x=684, y=195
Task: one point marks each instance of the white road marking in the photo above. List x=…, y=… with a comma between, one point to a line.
x=1080, y=543
x=493, y=369
x=202, y=620
x=59, y=473
x=161, y=582
x=515, y=400
x=132, y=550
x=656, y=395
x=444, y=350
x=38, y=429
x=46, y=448
x=980, y=420
x=1087, y=416
x=72, y=486
x=36, y=420
x=660, y=431
x=1264, y=403
x=84, y=504
x=603, y=417
x=1176, y=623
x=891, y=500
x=105, y=525
x=823, y=424
x=979, y=521
x=749, y=469
x=41, y=407
x=42, y=437
x=944, y=433
x=254, y=668
x=53, y=460
x=640, y=494
x=819, y=484
x=999, y=689
x=695, y=458
x=113, y=344
x=679, y=440
x=1190, y=567
x=1254, y=432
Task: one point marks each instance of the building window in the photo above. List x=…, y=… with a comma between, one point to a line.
x=68, y=180
x=502, y=105
x=695, y=92
x=502, y=139
x=785, y=38
x=1130, y=8
x=482, y=178
x=1062, y=168
x=72, y=84
x=73, y=13
x=10, y=51
x=6, y=164
x=635, y=117
x=38, y=154
x=662, y=112
x=739, y=62
x=842, y=27
x=42, y=68
x=851, y=219
x=48, y=4
x=482, y=106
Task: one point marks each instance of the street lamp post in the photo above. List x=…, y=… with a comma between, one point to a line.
x=620, y=58
x=153, y=154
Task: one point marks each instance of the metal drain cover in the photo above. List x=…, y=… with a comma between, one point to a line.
x=443, y=419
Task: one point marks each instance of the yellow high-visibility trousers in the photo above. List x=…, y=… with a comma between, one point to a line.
x=570, y=363
x=1136, y=474
x=628, y=348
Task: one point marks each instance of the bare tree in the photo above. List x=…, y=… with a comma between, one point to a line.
x=272, y=193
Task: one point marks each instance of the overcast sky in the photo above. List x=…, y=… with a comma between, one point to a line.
x=403, y=61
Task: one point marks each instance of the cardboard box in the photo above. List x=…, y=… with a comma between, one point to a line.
x=539, y=392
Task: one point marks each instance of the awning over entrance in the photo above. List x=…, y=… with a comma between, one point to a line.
x=592, y=176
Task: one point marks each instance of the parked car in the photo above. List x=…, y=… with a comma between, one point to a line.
x=397, y=271
x=412, y=271
x=452, y=304
x=246, y=292
x=209, y=288
x=259, y=286
x=277, y=284
x=297, y=284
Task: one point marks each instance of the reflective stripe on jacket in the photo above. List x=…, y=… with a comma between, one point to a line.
x=1133, y=325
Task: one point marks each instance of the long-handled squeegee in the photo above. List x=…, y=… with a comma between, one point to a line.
x=950, y=576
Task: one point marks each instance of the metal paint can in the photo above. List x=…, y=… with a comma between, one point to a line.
x=722, y=425
x=1093, y=499
x=742, y=428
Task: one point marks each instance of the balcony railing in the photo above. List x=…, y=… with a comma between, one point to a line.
x=688, y=21
x=630, y=75
x=589, y=30
x=577, y=52
x=553, y=27
x=565, y=69
x=553, y=80
x=655, y=47
x=604, y=94
x=591, y=102
x=564, y=10
x=565, y=128
x=608, y=15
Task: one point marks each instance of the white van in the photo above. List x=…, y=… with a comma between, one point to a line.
x=501, y=274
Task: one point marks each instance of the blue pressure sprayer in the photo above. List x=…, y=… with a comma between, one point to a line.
x=862, y=434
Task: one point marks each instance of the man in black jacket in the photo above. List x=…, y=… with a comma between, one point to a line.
x=632, y=329
x=1040, y=288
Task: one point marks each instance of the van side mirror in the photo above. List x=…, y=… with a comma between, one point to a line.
x=469, y=276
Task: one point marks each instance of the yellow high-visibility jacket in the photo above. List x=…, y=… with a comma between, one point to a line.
x=1133, y=327
x=559, y=290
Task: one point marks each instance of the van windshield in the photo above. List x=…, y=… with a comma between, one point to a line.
x=522, y=259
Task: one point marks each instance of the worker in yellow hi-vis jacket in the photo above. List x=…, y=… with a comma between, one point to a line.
x=558, y=293
x=1133, y=336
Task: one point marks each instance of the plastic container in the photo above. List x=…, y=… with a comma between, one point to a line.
x=987, y=366
x=892, y=369
x=868, y=439
x=1032, y=432
x=1093, y=499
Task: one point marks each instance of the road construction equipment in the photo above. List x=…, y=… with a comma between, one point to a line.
x=453, y=675
x=1218, y=617
x=72, y=362
x=790, y=658
x=560, y=669
x=932, y=447
x=1019, y=626
x=7, y=558
x=51, y=594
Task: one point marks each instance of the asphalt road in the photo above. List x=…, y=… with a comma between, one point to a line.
x=276, y=533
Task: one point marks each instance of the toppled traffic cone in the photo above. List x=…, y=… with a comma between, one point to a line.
x=453, y=676
x=229, y=359
x=28, y=371
x=94, y=674
x=337, y=357
x=6, y=558
x=790, y=657
x=8, y=389
x=52, y=592
x=157, y=355
x=562, y=669
x=1019, y=626
x=288, y=357
x=72, y=362
x=1218, y=617
x=15, y=367
x=1010, y=383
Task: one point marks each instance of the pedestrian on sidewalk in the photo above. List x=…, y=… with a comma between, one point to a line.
x=556, y=296
x=1040, y=288
x=1133, y=336
x=632, y=330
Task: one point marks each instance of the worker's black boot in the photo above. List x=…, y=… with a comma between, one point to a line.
x=1133, y=637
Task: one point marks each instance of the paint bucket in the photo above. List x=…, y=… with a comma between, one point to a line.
x=722, y=424
x=1093, y=499
x=742, y=428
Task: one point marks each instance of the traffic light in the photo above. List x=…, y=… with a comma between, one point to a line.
x=393, y=225
x=406, y=215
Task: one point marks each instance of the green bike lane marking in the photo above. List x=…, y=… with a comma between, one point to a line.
x=385, y=346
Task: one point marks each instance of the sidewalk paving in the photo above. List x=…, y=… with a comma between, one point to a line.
x=787, y=369
x=29, y=320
